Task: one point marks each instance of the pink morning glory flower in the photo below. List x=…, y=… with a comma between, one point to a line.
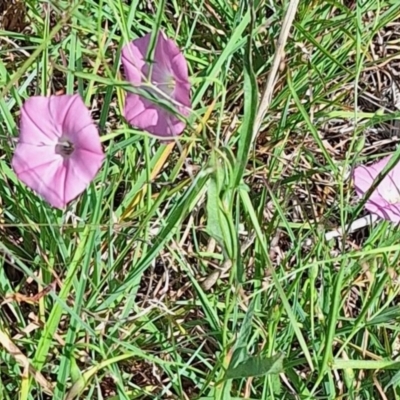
x=59, y=150
x=385, y=199
x=168, y=73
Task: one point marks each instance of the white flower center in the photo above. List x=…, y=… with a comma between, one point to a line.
x=64, y=148
x=163, y=79
x=168, y=85
x=394, y=199
x=392, y=194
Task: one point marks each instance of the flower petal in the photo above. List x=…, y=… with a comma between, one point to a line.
x=74, y=116
x=42, y=170
x=59, y=107
x=382, y=201
x=393, y=212
x=180, y=69
x=390, y=212
x=82, y=168
x=143, y=114
x=135, y=106
x=182, y=96
x=57, y=177
x=28, y=157
x=87, y=139
x=169, y=66
x=36, y=124
x=364, y=177
x=165, y=51
x=133, y=55
x=86, y=164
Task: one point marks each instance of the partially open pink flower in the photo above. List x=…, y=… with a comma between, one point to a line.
x=59, y=150
x=168, y=73
x=385, y=199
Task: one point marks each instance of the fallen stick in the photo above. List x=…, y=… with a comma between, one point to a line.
x=354, y=226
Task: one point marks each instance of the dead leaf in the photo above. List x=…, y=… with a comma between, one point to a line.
x=22, y=360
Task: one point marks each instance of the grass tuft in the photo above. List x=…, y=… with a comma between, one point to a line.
x=199, y=269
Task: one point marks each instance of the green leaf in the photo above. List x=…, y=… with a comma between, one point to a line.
x=276, y=384
x=395, y=381
x=257, y=366
x=240, y=350
x=219, y=214
x=213, y=212
x=249, y=115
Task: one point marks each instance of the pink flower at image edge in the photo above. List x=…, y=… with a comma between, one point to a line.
x=59, y=150
x=169, y=74
x=385, y=199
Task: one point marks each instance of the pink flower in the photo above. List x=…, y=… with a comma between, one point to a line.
x=59, y=150
x=385, y=199
x=168, y=73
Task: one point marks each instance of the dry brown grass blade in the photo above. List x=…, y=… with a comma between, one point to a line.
x=22, y=360
x=60, y=25
x=269, y=87
x=168, y=149
x=129, y=210
x=21, y=298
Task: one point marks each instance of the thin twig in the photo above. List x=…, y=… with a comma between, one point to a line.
x=354, y=226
